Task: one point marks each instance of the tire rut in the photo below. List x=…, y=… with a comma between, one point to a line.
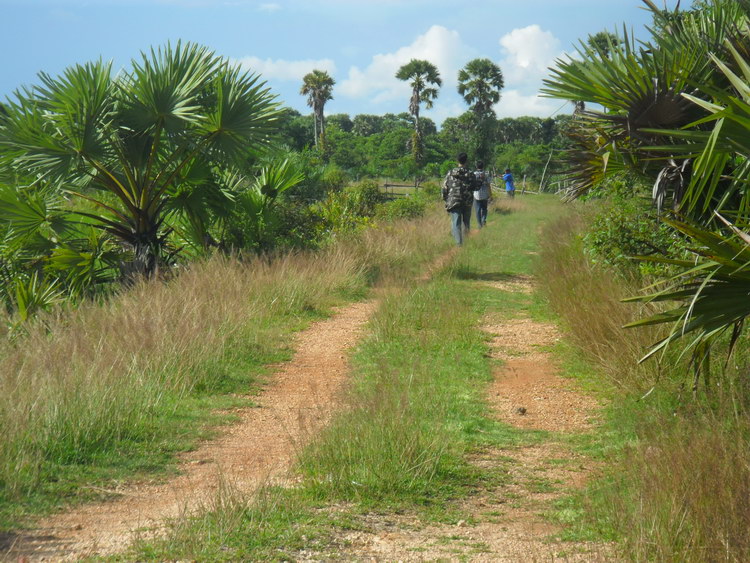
x=298, y=400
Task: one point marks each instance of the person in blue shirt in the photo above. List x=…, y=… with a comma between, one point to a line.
x=510, y=188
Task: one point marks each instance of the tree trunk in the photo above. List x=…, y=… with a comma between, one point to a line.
x=544, y=172
x=315, y=127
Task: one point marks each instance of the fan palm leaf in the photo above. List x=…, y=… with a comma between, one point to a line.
x=124, y=143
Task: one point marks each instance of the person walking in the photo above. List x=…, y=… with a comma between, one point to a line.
x=482, y=194
x=458, y=187
x=510, y=187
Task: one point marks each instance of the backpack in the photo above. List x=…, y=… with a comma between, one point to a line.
x=459, y=185
x=482, y=182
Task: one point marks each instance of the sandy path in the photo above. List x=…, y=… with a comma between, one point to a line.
x=299, y=399
x=507, y=522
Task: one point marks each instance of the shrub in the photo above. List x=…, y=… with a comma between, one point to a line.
x=626, y=227
x=431, y=190
x=446, y=167
x=333, y=178
x=364, y=197
x=409, y=207
x=432, y=170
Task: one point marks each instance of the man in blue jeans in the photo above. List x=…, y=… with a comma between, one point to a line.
x=458, y=187
x=481, y=194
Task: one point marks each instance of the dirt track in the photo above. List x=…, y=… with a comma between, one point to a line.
x=508, y=523
x=508, y=526
x=298, y=400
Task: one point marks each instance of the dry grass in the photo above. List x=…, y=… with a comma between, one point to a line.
x=690, y=485
x=681, y=486
x=589, y=298
x=84, y=379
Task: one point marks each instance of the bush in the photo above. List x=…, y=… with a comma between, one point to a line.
x=446, y=167
x=409, y=207
x=364, y=197
x=333, y=178
x=431, y=190
x=627, y=227
x=678, y=487
x=432, y=170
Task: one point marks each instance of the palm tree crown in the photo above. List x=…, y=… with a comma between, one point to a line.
x=318, y=87
x=127, y=143
x=423, y=75
x=480, y=83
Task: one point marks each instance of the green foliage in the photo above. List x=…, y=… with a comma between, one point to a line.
x=447, y=166
x=676, y=113
x=126, y=143
x=432, y=190
x=409, y=207
x=296, y=131
x=480, y=83
x=626, y=228
x=648, y=96
x=677, y=479
x=253, y=223
x=47, y=253
x=318, y=87
x=365, y=197
x=525, y=160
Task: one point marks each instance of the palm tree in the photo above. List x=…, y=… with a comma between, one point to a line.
x=423, y=76
x=318, y=87
x=677, y=110
x=127, y=142
x=643, y=92
x=480, y=83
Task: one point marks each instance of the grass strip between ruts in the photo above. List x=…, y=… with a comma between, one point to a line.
x=414, y=411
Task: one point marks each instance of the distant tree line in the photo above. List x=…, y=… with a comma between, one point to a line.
x=367, y=145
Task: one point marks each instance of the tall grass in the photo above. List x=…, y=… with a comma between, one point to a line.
x=415, y=407
x=589, y=299
x=679, y=484
x=82, y=383
x=396, y=438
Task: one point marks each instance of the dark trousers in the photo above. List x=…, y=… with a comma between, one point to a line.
x=480, y=207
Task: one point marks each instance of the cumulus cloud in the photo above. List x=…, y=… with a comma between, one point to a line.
x=516, y=104
x=528, y=53
x=280, y=69
x=439, y=45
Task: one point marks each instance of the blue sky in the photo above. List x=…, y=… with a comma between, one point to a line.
x=361, y=43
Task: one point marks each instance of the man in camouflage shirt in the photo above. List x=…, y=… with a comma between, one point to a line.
x=458, y=188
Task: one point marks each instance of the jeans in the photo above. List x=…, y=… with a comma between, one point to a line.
x=460, y=220
x=480, y=206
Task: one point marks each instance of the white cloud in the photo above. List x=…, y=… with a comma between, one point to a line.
x=528, y=53
x=281, y=69
x=516, y=104
x=439, y=45
x=269, y=7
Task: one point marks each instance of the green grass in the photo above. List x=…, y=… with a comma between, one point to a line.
x=107, y=393
x=75, y=472
x=414, y=413
x=676, y=471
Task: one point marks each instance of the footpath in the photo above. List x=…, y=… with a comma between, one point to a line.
x=508, y=518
